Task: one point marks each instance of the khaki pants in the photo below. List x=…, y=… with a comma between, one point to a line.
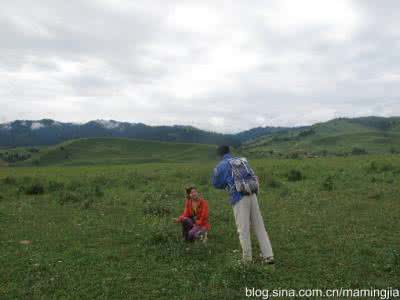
x=247, y=213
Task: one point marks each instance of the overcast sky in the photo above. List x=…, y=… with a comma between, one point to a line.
x=224, y=66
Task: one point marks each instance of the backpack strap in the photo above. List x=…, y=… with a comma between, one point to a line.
x=245, y=165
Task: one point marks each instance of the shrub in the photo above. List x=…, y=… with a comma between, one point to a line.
x=295, y=175
x=358, y=151
x=34, y=189
x=97, y=191
x=327, y=184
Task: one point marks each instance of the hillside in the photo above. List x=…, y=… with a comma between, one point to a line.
x=257, y=132
x=118, y=151
x=339, y=136
x=336, y=137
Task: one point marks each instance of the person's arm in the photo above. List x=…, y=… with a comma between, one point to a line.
x=202, y=220
x=219, y=177
x=186, y=212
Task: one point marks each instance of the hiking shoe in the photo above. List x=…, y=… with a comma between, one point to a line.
x=203, y=237
x=269, y=260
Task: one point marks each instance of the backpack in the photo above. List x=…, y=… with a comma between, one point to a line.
x=245, y=181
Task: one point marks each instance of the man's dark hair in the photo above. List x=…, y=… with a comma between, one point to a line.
x=222, y=150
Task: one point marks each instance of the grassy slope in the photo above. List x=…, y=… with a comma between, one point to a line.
x=118, y=150
x=339, y=136
x=122, y=243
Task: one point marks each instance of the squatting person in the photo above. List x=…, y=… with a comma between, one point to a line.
x=194, y=218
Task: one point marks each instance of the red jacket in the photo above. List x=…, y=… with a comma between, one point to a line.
x=201, y=213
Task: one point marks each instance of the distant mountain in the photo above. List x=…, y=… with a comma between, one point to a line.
x=340, y=136
x=49, y=132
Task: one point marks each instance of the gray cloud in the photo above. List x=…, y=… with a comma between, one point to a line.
x=213, y=64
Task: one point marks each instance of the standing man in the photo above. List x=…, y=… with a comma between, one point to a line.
x=236, y=176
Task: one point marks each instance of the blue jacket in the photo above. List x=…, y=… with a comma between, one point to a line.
x=222, y=179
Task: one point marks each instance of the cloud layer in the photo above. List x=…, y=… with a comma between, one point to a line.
x=216, y=65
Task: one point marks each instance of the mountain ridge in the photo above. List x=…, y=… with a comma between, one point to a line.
x=23, y=133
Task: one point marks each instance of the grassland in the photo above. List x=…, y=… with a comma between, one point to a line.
x=105, y=231
x=94, y=151
x=337, y=137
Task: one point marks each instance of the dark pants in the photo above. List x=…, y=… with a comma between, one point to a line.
x=190, y=230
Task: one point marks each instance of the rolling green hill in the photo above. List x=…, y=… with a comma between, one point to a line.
x=118, y=151
x=344, y=136
x=339, y=137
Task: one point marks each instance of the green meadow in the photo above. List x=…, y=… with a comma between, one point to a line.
x=109, y=151
x=87, y=226
x=339, y=137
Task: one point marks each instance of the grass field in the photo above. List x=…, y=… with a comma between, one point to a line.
x=335, y=137
x=105, y=231
x=106, y=151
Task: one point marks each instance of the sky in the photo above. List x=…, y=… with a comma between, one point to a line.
x=223, y=66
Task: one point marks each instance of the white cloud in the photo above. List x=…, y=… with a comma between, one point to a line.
x=337, y=19
x=6, y=126
x=36, y=125
x=109, y=124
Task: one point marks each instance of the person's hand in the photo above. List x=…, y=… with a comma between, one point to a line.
x=175, y=220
